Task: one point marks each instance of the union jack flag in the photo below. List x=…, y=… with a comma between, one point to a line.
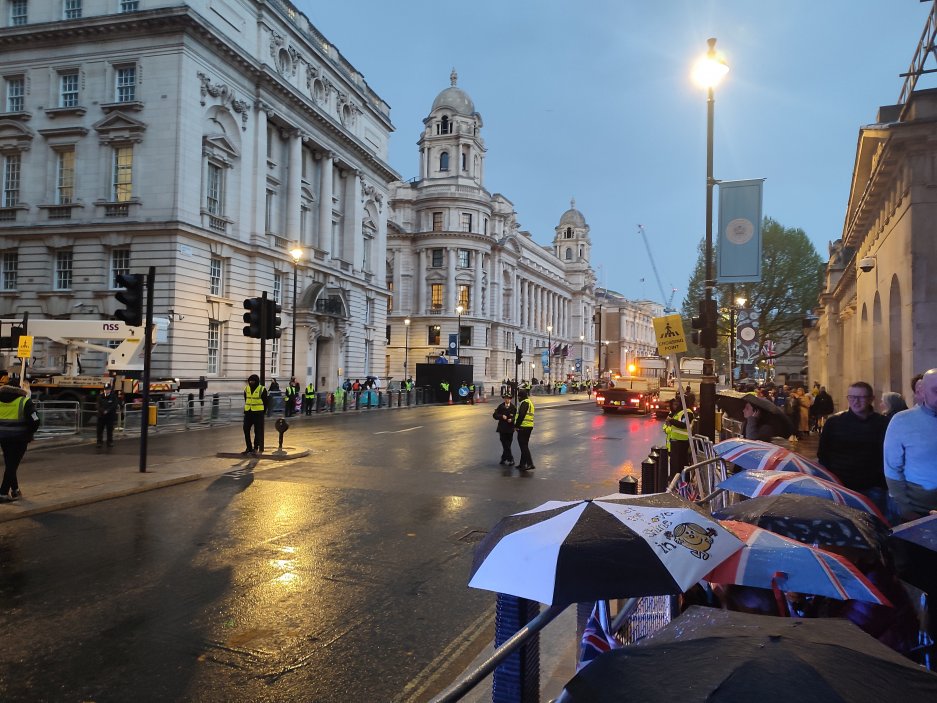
x=752, y=454
x=595, y=640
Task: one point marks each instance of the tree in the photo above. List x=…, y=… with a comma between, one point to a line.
x=791, y=279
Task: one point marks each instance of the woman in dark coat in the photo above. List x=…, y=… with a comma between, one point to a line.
x=504, y=414
x=756, y=426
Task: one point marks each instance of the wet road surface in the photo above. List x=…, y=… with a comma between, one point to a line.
x=337, y=577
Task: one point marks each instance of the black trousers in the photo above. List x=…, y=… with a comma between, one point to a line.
x=679, y=455
x=309, y=404
x=523, y=441
x=507, y=439
x=106, y=423
x=13, y=452
x=254, y=419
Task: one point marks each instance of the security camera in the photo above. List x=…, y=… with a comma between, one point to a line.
x=867, y=263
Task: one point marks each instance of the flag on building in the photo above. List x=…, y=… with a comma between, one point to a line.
x=565, y=350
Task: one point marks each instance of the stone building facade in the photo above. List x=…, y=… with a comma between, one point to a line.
x=625, y=329
x=459, y=264
x=878, y=311
x=206, y=139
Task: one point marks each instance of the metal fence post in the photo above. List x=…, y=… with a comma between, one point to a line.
x=517, y=679
x=663, y=467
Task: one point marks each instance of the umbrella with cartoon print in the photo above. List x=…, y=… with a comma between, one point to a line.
x=617, y=546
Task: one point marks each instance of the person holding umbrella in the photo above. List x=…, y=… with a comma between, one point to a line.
x=504, y=414
x=757, y=425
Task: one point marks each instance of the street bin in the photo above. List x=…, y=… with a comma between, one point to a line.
x=151, y=415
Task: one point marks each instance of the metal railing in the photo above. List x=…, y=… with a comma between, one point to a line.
x=58, y=417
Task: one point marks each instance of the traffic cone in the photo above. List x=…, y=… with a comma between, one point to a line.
x=450, y=397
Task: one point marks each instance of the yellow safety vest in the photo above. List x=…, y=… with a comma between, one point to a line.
x=14, y=412
x=678, y=433
x=253, y=401
x=444, y=386
x=310, y=391
x=528, y=420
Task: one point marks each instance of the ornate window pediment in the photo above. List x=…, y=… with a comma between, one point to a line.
x=119, y=127
x=14, y=136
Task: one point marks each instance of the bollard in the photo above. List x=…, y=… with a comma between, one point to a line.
x=628, y=485
x=344, y=402
x=517, y=679
x=190, y=407
x=649, y=475
x=663, y=467
x=215, y=406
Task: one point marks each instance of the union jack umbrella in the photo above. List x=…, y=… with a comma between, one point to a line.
x=756, y=483
x=764, y=456
x=769, y=560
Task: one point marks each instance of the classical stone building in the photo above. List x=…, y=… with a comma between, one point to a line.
x=877, y=315
x=206, y=139
x=459, y=264
x=625, y=330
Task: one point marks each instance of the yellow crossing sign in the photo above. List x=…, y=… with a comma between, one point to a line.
x=669, y=333
x=25, y=348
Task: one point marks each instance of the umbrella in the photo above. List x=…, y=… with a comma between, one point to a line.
x=733, y=402
x=811, y=520
x=616, y=546
x=914, y=545
x=753, y=454
x=769, y=560
x=756, y=483
x=720, y=656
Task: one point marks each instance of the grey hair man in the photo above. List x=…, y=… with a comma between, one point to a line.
x=910, y=451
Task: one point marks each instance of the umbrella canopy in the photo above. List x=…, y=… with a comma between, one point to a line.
x=753, y=454
x=811, y=521
x=719, y=656
x=617, y=546
x=769, y=560
x=756, y=483
x=733, y=402
x=914, y=545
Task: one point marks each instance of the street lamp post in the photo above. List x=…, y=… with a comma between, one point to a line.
x=708, y=72
x=549, y=358
x=297, y=253
x=406, y=349
x=582, y=353
x=458, y=336
x=738, y=303
x=605, y=363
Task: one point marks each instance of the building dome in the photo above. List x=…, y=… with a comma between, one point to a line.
x=454, y=98
x=572, y=217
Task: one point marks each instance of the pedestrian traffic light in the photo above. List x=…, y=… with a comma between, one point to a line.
x=273, y=320
x=132, y=298
x=252, y=317
x=518, y=356
x=704, y=326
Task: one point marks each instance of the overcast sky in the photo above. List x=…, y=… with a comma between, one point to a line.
x=593, y=100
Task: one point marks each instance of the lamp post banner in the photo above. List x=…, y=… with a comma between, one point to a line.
x=747, y=337
x=545, y=360
x=738, y=249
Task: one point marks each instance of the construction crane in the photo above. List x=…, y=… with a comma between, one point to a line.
x=667, y=301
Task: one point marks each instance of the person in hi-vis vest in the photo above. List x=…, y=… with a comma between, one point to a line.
x=255, y=408
x=524, y=424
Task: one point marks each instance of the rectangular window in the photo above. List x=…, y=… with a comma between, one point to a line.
x=72, y=9
x=278, y=288
x=436, y=295
x=432, y=334
x=65, y=176
x=18, y=12
x=274, y=368
x=369, y=312
x=214, y=197
x=437, y=258
x=214, y=347
x=125, y=84
x=11, y=264
x=15, y=92
x=11, y=180
x=366, y=255
x=122, y=183
x=268, y=213
x=120, y=265
x=437, y=222
x=68, y=89
x=464, y=259
x=216, y=277
x=466, y=222
x=465, y=336
x=129, y=5
x=63, y=270
x=465, y=297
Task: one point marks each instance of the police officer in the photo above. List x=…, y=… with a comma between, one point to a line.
x=290, y=399
x=524, y=424
x=504, y=414
x=309, y=398
x=108, y=405
x=255, y=407
x=677, y=428
x=18, y=423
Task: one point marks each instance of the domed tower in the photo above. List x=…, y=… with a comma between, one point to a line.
x=571, y=243
x=451, y=146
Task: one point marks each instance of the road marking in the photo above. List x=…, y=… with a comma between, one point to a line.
x=409, y=429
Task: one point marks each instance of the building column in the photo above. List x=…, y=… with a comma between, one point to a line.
x=325, y=204
x=477, y=303
x=352, y=217
x=293, y=187
x=421, y=283
x=260, y=172
x=451, y=297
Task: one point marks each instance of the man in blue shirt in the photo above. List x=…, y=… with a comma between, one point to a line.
x=911, y=453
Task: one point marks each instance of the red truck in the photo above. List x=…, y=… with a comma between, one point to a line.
x=628, y=395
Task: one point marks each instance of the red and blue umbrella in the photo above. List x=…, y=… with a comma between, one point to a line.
x=756, y=483
x=764, y=456
x=769, y=560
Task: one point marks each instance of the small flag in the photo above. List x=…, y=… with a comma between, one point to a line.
x=595, y=640
x=565, y=350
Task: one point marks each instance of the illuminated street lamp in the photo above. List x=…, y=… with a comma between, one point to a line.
x=733, y=309
x=297, y=253
x=582, y=353
x=406, y=349
x=532, y=366
x=549, y=357
x=458, y=338
x=708, y=72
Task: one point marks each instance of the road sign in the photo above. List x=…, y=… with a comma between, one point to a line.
x=669, y=333
x=25, y=348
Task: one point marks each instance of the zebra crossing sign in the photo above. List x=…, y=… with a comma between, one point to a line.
x=669, y=333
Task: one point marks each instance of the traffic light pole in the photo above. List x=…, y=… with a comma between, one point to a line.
x=707, y=393
x=263, y=337
x=147, y=356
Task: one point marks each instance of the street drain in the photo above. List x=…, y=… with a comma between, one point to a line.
x=617, y=439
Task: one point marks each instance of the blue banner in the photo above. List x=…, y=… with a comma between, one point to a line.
x=545, y=360
x=578, y=365
x=453, y=344
x=738, y=247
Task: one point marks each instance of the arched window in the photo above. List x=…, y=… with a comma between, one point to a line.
x=444, y=161
x=569, y=254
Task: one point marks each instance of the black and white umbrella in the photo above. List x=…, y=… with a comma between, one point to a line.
x=617, y=546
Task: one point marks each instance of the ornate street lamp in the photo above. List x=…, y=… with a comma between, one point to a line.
x=406, y=349
x=297, y=253
x=458, y=337
x=582, y=352
x=549, y=358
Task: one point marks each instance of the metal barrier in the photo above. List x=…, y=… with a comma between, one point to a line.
x=58, y=417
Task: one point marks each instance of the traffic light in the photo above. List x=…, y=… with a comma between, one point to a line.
x=252, y=317
x=273, y=320
x=704, y=327
x=131, y=297
x=518, y=356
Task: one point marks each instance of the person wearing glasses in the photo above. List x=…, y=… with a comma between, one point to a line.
x=851, y=445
